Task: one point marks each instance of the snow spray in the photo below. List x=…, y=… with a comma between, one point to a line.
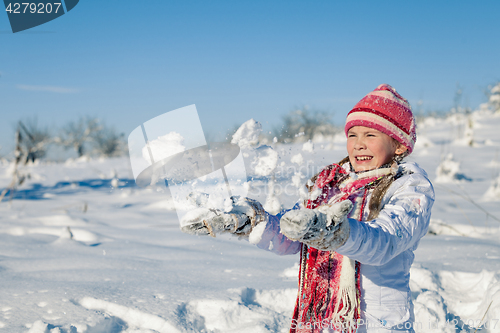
x=171, y=150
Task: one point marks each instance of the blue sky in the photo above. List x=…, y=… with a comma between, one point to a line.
x=129, y=61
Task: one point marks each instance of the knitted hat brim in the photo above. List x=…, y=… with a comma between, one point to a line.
x=375, y=121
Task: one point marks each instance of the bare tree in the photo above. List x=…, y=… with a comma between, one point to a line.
x=32, y=141
x=17, y=176
x=304, y=124
x=78, y=134
x=31, y=144
x=107, y=142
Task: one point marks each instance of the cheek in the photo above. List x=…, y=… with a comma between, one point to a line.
x=381, y=150
x=350, y=151
x=387, y=154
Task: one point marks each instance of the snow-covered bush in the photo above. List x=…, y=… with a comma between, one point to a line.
x=422, y=144
x=493, y=192
x=466, y=132
x=494, y=99
x=469, y=132
x=493, y=104
x=448, y=171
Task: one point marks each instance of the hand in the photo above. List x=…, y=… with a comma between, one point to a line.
x=242, y=214
x=325, y=228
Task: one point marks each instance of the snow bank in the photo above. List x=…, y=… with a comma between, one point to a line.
x=135, y=319
x=167, y=204
x=431, y=314
x=466, y=295
x=438, y=227
x=79, y=235
x=249, y=311
x=61, y=220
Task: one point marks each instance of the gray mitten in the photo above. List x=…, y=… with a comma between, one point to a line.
x=241, y=216
x=325, y=228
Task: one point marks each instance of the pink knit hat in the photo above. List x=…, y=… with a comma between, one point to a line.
x=387, y=111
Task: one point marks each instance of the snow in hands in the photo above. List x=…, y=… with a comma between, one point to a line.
x=325, y=228
x=241, y=216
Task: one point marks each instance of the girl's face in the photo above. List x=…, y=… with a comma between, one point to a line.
x=369, y=148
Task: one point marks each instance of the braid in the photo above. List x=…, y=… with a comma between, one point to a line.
x=381, y=187
x=377, y=195
x=344, y=160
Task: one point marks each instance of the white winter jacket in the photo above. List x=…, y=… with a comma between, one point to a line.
x=384, y=247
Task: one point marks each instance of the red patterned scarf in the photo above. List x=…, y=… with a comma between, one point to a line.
x=329, y=283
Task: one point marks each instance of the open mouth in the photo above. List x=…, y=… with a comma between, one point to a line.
x=363, y=158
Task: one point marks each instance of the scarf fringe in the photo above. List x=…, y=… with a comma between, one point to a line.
x=346, y=300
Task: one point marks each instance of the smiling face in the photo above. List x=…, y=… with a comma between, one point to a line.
x=369, y=148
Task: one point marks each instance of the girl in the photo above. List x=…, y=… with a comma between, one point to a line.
x=357, y=230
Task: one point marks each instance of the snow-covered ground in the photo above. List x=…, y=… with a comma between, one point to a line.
x=82, y=249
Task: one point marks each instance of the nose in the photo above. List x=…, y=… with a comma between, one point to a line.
x=359, y=144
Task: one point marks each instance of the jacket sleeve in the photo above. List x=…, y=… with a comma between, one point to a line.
x=401, y=223
x=273, y=240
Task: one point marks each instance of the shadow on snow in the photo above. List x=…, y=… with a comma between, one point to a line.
x=38, y=191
